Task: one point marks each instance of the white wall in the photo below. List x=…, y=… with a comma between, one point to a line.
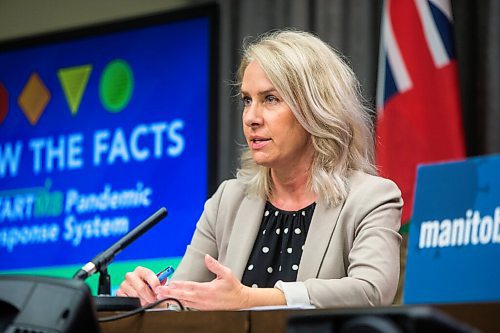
x=20, y=18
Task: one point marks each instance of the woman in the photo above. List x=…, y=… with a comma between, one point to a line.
x=306, y=222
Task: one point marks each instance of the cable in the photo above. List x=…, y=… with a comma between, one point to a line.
x=140, y=310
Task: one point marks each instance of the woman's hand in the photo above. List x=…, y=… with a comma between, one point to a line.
x=225, y=292
x=140, y=283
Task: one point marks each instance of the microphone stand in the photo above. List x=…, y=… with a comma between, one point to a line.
x=104, y=287
x=104, y=301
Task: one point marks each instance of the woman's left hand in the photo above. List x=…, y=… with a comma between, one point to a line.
x=225, y=292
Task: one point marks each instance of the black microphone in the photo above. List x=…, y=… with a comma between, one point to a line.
x=102, y=260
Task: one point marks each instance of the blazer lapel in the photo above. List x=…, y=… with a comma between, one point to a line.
x=318, y=239
x=244, y=233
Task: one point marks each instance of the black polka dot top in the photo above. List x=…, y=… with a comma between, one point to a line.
x=278, y=248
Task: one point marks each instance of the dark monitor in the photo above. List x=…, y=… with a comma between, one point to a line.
x=404, y=319
x=45, y=304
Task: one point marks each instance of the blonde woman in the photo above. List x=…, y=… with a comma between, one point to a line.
x=306, y=221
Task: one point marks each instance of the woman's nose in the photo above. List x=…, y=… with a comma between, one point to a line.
x=252, y=116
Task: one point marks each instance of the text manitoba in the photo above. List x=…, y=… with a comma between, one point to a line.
x=474, y=229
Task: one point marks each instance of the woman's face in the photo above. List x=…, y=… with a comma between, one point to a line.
x=275, y=137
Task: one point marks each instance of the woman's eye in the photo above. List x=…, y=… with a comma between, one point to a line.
x=272, y=99
x=246, y=100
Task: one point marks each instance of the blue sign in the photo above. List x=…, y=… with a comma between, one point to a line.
x=454, y=240
x=96, y=134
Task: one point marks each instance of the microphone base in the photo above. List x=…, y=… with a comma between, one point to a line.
x=116, y=303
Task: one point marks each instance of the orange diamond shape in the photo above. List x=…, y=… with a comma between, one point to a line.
x=34, y=98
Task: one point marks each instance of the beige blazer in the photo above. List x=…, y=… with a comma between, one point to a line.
x=351, y=254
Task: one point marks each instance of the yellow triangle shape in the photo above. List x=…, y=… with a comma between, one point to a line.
x=74, y=81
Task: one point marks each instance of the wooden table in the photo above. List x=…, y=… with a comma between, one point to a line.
x=483, y=316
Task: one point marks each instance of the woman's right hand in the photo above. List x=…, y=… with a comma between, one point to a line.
x=139, y=283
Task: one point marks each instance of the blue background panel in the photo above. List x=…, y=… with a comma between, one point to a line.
x=169, y=108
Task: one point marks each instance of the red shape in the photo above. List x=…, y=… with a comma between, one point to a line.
x=4, y=102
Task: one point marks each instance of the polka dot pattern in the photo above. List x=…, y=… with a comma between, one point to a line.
x=278, y=248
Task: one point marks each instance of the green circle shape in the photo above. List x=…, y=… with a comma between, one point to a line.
x=116, y=85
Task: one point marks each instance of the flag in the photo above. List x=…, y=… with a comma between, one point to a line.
x=418, y=105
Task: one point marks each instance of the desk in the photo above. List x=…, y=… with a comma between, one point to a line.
x=484, y=316
x=186, y=321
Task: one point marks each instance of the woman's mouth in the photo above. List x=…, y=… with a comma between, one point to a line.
x=258, y=143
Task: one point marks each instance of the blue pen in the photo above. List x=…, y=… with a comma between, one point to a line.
x=164, y=274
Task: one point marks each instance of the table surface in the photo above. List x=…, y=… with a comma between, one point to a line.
x=483, y=316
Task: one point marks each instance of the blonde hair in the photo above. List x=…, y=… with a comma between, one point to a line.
x=325, y=97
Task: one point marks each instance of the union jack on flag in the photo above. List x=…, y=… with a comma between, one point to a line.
x=418, y=103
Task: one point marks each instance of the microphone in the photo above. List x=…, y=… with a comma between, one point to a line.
x=102, y=260
x=106, y=302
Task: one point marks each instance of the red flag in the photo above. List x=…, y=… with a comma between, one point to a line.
x=419, y=116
